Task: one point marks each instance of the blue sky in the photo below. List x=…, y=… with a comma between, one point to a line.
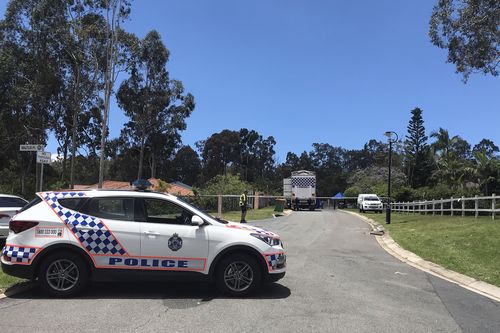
x=339, y=72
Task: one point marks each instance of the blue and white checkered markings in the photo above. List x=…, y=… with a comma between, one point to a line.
x=20, y=254
x=304, y=182
x=272, y=260
x=97, y=239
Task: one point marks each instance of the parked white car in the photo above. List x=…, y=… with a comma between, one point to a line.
x=9, y=206
x=370, y=202
x=63, y=239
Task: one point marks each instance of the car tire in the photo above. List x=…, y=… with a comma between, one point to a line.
x=63, y=275
x=238, y=275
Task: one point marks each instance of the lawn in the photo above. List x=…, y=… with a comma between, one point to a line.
x=6, y=281
x=466, y=245
x=252, y=214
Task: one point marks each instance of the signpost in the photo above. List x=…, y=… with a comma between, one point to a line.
x=42, y=157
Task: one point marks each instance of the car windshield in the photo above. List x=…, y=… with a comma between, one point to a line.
x=12, y=202
x=372, y=199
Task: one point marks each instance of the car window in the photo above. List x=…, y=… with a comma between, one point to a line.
x=12, y=202
x=33, y=202
x=71, y=203
x=163, y=211
x=112, y=208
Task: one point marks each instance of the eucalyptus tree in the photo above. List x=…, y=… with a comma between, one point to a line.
x=152, y=101
x=30, y=77
x=469, y=30
x=83, y=42
x=117, y=51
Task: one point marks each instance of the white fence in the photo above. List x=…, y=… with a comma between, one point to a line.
x=474, y=206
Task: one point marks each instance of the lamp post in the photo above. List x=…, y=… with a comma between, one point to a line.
x=391, y=137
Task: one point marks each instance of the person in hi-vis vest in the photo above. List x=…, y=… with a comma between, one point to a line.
x=243, y=206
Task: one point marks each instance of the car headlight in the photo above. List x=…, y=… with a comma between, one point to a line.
x=267, y=239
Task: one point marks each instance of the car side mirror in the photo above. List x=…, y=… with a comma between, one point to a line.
x=196, y=220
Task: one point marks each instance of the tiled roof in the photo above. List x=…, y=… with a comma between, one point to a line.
x=118, y=185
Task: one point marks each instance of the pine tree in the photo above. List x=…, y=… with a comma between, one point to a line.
x=417, y=151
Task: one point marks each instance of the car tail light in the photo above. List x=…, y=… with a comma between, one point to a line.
x=20, y=226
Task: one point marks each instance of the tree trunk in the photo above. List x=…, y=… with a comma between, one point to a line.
x=76, y=106
x=64, y=161
x=153, y=165
x=23, y=190
x=141, y=158
x=109, y=77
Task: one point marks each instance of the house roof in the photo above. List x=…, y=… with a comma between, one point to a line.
x=119, y=185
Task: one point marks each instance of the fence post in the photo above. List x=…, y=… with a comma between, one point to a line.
x=451, y=206
x=219, y=206
x=476, y=207
x=413, y=206
x=433, y=208
x=493, y=206
x=442, y=211
x=463, y=206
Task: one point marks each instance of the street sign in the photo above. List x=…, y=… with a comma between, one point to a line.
x=41, y=159
x=44, y=154
x=31, y=147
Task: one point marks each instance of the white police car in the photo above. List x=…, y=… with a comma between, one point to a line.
x=63, y=239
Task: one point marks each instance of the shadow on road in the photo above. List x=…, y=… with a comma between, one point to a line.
x=198, y=292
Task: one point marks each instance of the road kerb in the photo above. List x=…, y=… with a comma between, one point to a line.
x=394, y=249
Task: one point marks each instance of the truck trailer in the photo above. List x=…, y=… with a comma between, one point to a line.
x=303, y=190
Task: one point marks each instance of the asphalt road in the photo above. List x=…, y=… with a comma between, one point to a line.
x=338, y=280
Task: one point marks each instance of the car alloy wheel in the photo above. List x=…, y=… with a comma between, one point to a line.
x=62, y=275
x=238, y=276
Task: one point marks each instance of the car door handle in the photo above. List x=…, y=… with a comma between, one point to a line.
x=84, y=229
x=151, y=234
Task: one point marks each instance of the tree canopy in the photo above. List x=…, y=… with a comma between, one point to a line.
x=469, y=30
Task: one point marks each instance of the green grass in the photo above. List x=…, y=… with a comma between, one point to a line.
x=7, y=281
x=252, y=214
x=466, y=245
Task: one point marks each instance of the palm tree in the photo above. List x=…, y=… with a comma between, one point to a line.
x=451, y=169
x=486, y=171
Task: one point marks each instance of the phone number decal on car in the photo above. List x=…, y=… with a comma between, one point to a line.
x=49, y=232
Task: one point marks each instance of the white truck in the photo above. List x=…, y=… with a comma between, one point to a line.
x=303, y=190
x=367, y=202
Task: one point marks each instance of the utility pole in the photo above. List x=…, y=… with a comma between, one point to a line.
x=392, y=137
